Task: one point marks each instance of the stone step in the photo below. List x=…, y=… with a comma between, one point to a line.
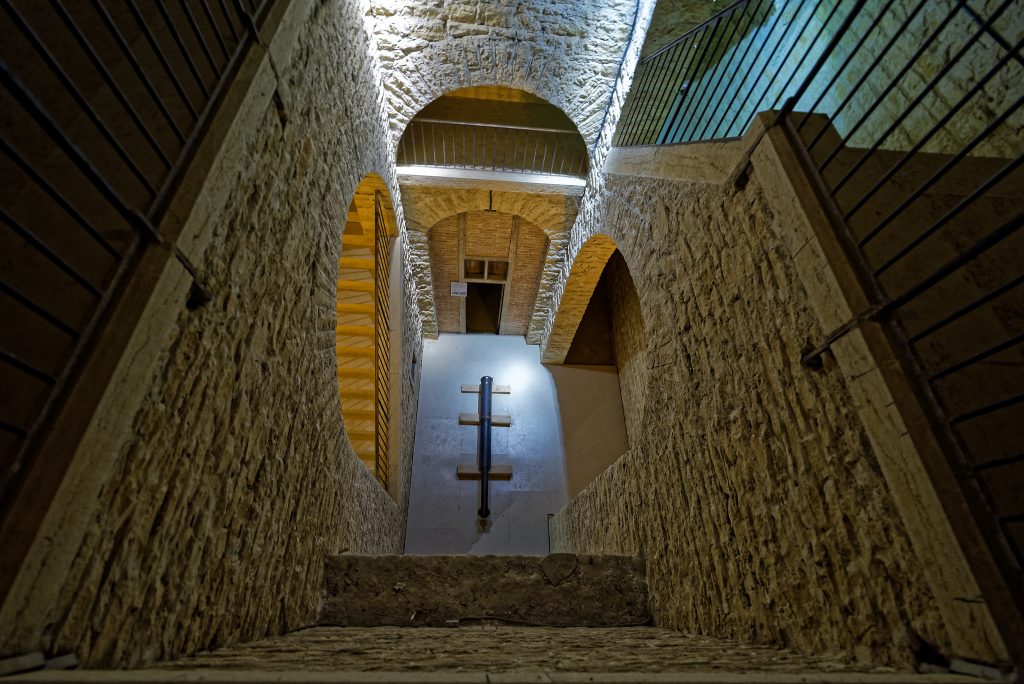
x=560, y=590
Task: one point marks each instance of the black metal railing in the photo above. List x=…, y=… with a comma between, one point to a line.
x=492, y=147
x=103, y=106
x=710, y=82
x=483, y=446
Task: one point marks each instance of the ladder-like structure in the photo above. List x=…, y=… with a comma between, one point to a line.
x=361, y=335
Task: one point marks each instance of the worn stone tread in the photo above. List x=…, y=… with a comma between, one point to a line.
x=429, y=591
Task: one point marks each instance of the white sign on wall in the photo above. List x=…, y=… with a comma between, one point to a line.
x=458, y=289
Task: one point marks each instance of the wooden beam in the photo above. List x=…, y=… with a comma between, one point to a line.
x=345, y=372
x=361, y=435
x=472, y=472
x=357, y=240
x=365, y=352
x=356, y=262
x=358, y=414
x=346, y=307
x=355, y=330
x=495, y=389
x=474, y=419
x=356, y=285
x=356, y=393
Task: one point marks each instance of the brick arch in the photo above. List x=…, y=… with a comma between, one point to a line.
x=579, y=286
x=553, y=214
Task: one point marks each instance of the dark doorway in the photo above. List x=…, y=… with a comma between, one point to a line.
x=483, y=308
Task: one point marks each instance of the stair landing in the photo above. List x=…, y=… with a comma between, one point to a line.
x=560, y=590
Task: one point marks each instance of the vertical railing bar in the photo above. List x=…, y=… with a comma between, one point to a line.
x=176, y=37
x=200, y=37
x=829, y=48
x=696, y=98
x=26, y=367
x=216, y=29
x=632, y=106
x=952, y=213
x=993, y=350
x=871, y=69
x=77, y=158
x=56, y=194
x=918, y=99
x=743, y=60
x=152, y=40
x=51, y=256
x=963, y=311
x=676, y=94
x=37, y=309
x=69, y=85
x=733, y=125
x=728, y=69
x=111, y=83
x=724, y=70
x=666, y=89
x=893, y=82
x=846, y=62
x=139, y=71
x=907, y=156
x=433, y=144
x=227, y=18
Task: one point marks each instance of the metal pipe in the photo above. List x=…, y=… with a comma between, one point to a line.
x=483, y=450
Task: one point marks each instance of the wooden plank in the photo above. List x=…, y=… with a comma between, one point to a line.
x=472, y=472
x=495, y=389
x=360, y=435
x=356, y=394
x=345, y=372
x=356, y=262
x=358, y=414
x=364, y=352
x=357, y=240
x=354, y=330
x=345, y=307
x=474, y=419
x=356, y=285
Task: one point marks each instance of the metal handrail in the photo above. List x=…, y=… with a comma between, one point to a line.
x=483, y=124
x=115, y=165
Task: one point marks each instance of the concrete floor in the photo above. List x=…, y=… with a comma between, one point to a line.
x=442, y=509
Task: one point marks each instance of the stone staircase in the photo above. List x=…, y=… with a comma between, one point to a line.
x=488, y=619
x=560, y=590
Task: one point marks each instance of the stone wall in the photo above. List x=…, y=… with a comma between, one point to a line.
x=751, y=490
x=629, y=341
x=215, y=508
x=565, y=51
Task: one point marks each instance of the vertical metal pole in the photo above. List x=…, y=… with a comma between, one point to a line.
x=484, y=445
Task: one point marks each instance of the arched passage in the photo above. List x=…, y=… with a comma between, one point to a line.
x=608, y=337
x=579, y=286
x=363, y=324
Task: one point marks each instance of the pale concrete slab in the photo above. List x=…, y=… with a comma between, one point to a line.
x=567, y=426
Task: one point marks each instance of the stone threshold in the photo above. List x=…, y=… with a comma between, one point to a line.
x=482, y=677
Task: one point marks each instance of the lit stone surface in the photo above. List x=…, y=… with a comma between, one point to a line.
x=566, y=51
x=512, y=649
x=752, y=492
x=215, y=513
